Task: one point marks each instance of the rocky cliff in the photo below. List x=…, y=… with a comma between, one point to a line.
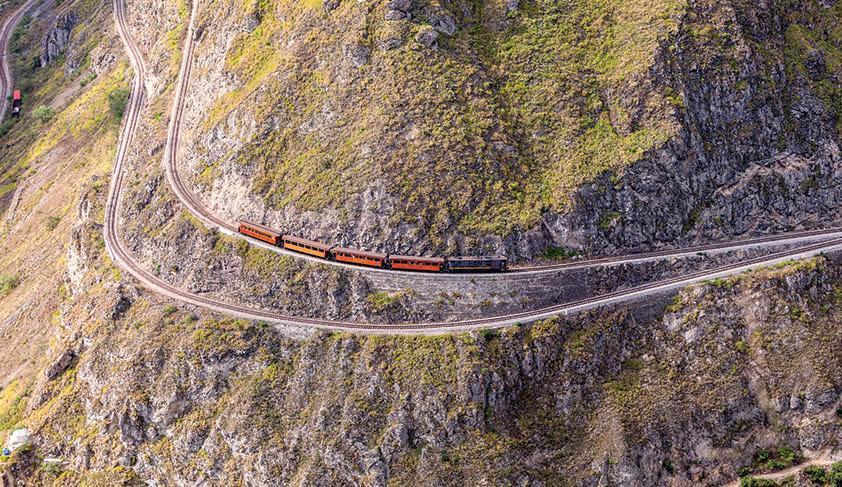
x=492, y=126
x=423, y=126
x=682, y=395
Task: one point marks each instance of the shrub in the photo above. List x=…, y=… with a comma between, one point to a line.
x=8, y=283
x=52, y=222
x=560, y=253
x=835, y=474
x=169, y=309
x=118, y=99
x=755, y=482
x=43, y=114
x=87, y=79
x=6, y=126
x=741, y=346
x=488, y=334
x=817, y=475
x=379, y=301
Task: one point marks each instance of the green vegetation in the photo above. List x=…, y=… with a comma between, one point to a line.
x=626, y=387
x=52, y=222
x=560, y=253
x=429, y=360
x=608, y=220
x=118, y=99
x=267, y=263
x=380, y=301
x=43, y=114
x=821, y=477
x=87, y=79
x=7, y=125
x=222, y=337
x=18, y=33
x=755, y=482
x=12, y=405
x=510, y=120
x=817, y=31
x=8, y=283
x=774, y=460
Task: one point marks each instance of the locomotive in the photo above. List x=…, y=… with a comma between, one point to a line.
x=16, y=104
x=372, y=259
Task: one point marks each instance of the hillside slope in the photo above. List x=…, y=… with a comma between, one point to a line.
x=516, y=126
x=709, y=118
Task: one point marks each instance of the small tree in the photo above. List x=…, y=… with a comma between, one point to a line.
x=43, y=114
x=117, y=102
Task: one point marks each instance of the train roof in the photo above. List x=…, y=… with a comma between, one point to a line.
x=304, y=241
x=260, y=226
x=431, y=260
x=474, y=258
x=361, y=253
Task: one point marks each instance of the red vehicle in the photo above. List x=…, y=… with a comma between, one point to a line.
x=424, y=264
x=16, y=103
x=372, y=259
x=259, y=232
x=310, y=247
x=361, y=257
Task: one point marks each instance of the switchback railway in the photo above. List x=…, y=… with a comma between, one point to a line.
x=124, y=259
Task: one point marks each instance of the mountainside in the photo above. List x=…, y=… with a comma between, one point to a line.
x=683, y=397
x=459, y=126
x=530, y=128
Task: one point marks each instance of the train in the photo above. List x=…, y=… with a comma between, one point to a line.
x=16, y=103
x=377, y=260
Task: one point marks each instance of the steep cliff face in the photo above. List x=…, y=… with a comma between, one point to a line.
x=420, y=125
x=454, y=126
x=684, y=396
x=758, y=89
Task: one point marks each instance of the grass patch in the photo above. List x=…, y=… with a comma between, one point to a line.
x=52, y=222
x=560, y=253
x=43, y=114
x=507, y=122
x=118, y=100
x=8, y=282
x=774, y=460
x=381, y=301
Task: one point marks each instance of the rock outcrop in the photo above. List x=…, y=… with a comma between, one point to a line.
x=684, y=396
x=58, y=37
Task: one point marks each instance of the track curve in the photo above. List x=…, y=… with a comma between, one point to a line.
x=122, y=257
x=196, y=207
x=6, y=79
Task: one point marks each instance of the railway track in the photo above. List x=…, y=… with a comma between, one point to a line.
x=123, y=257
x=195, y=207
x=6, y=79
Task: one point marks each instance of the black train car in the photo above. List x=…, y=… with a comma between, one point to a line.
x=477, y=264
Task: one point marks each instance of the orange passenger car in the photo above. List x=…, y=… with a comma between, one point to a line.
x=309, y=247
x=361, y=257
x=259, y=232
x=424, y=264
